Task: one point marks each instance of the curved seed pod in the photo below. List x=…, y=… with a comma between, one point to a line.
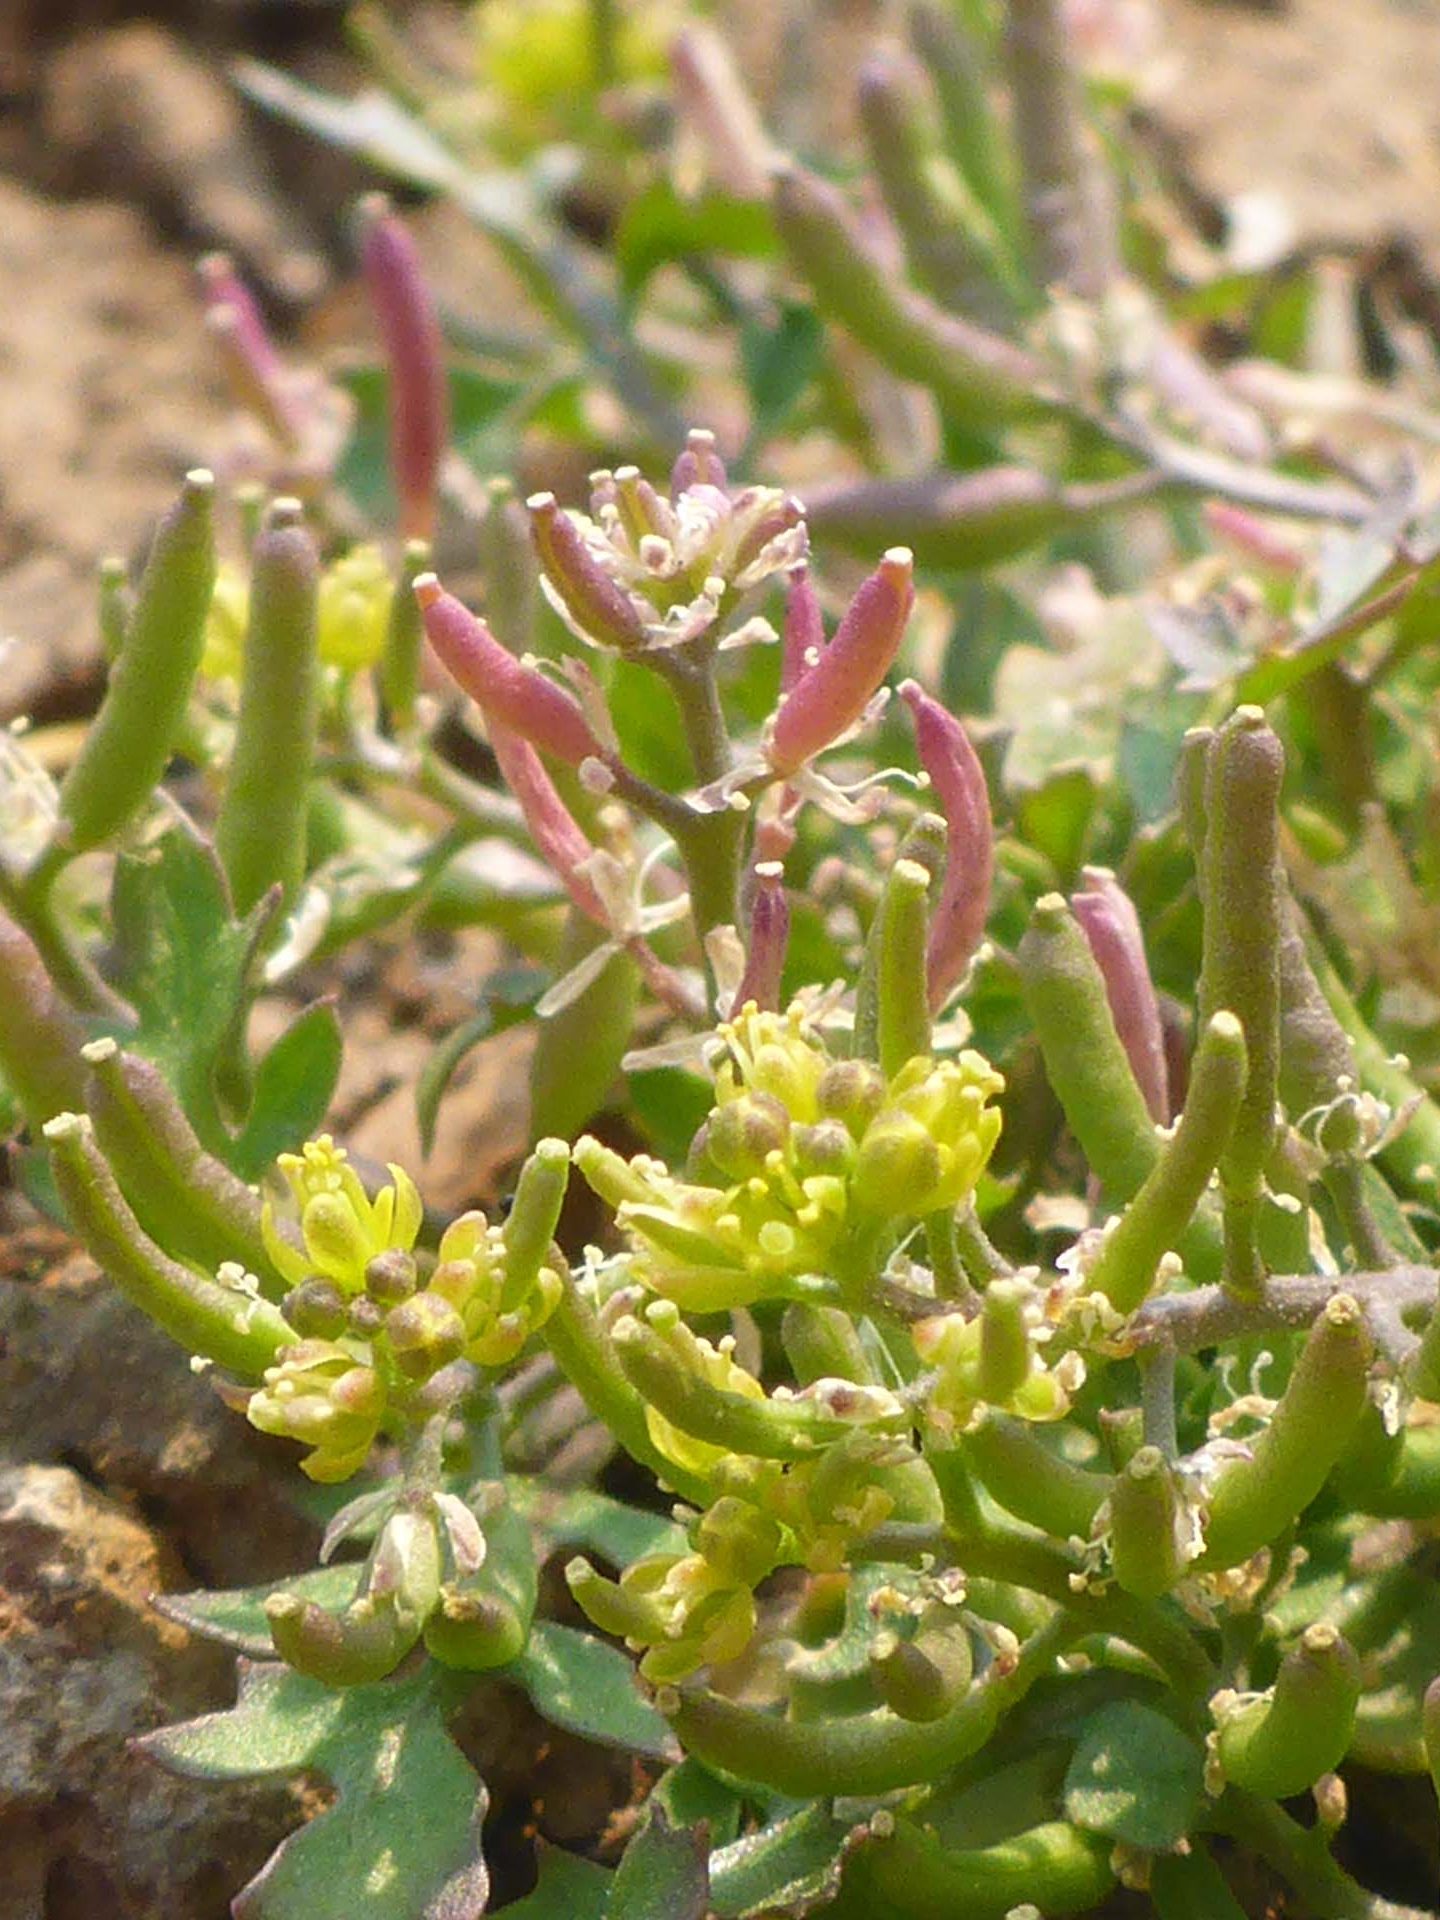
x=958, y=70
x=803, y=640
x=1401, y=1480
x=414, y=355
x=1084, y=1056
x=598, y=605
x=355, y=1648
x=944, y=240
x=1055, y=1868
x=957, y=925
x=1190, y=774
x=40, y=1039
x=1242, y=892
x=260, y=834
x=902, y=1004
x=1156, y=1219
x=1254, y=1500
x=130, y=740
x=768, y=1429
x=1145, y=1551
x=832, y=695
x=711, y=96
x=977, y=375
x=1282, y=1743
x=519, y=696
x=483, y=1621
x=398, y=673
x=1031, y=1480
x=217, y=1322
x=1112, y=927
x=534, y=1215
x=965, y=520
x=925, y=1677
x=176, y=1187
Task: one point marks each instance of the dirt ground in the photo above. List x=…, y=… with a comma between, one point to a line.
x=123, y=153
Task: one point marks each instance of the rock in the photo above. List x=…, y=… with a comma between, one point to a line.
x=85, y=1379
x=88, y=1827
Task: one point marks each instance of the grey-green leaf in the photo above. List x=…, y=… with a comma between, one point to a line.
x=589, y=1687
x=1135, y=1776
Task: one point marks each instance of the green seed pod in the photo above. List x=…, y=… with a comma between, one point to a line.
x=977, y=375
x=399, y=670
x=821, y=1343
x=483, y=1620
x=1190, y=791
x=425, y=1334
x=924, y=846
x=130, y=740
x=1242, y=891
x=1422, y=1367
x=1084, y=1056
x=1283, y=1742
x=1145, y=1553
x=40, y=1039
x=1156, y=1219
x=1005, y=1350
x=355, y=1648
x=178, y=1190
x=529, y=1228
x=260, y=834
x=1031, y=1480
x=902, y=1002
x=1316, y=1053
x=924, y=1677
x=1254, y=1500
x=1054, y=1868
x=612, y=1608
x=219, y=1323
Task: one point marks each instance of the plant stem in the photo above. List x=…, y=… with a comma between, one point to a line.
x=1207, y=1316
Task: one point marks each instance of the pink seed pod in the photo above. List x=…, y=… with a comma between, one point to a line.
x=1255, y=538
x=553, y=828
x=419, y=399
x=252, y=364
x=831, y=696
x=711, y=97
x=803, y=640
x=769, y=938
x=508, y=690
x=957, y=924
x=599, y=607
x=1112, y=926
x=699, y=465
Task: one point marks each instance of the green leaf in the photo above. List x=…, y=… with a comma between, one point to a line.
x=569, y=1888
x=1055, y=818
x=670, y=1103
x=690, y=1793
x=403, y=1837
x=780, y=361
x=660, y=226
x=593, y=1520
x=793, y=1865
x=1135, y=1776
x=186, y=966
x=662, y=1874
x=589, y=1687
x=1190, y=1886
x=294, y=1085
x=505, y=999
x=236, y=1615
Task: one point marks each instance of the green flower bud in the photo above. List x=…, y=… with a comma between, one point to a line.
x=824, y=1148
x=425, y=1334
x=743, y=1132
x=740, y=1542
x=366, y=1318
x=897, y=1169
x=853, y=1092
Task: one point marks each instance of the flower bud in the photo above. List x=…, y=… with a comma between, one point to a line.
x=319, y=1395
x=769, y=938
x=425, y=1334
x=852, y=1091
x=741, y=1542
x=599, y=609
x=391, y=1277
x=316, y=1309
x=897, y=1168
x=366, y=1318
x=824, y=1148
x=744, y=1131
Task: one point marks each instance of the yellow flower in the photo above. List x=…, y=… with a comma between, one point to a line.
x=353, y=613
x=470, y=1274
x=225, y=624
x=341, y=1228
x=322, y=1394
